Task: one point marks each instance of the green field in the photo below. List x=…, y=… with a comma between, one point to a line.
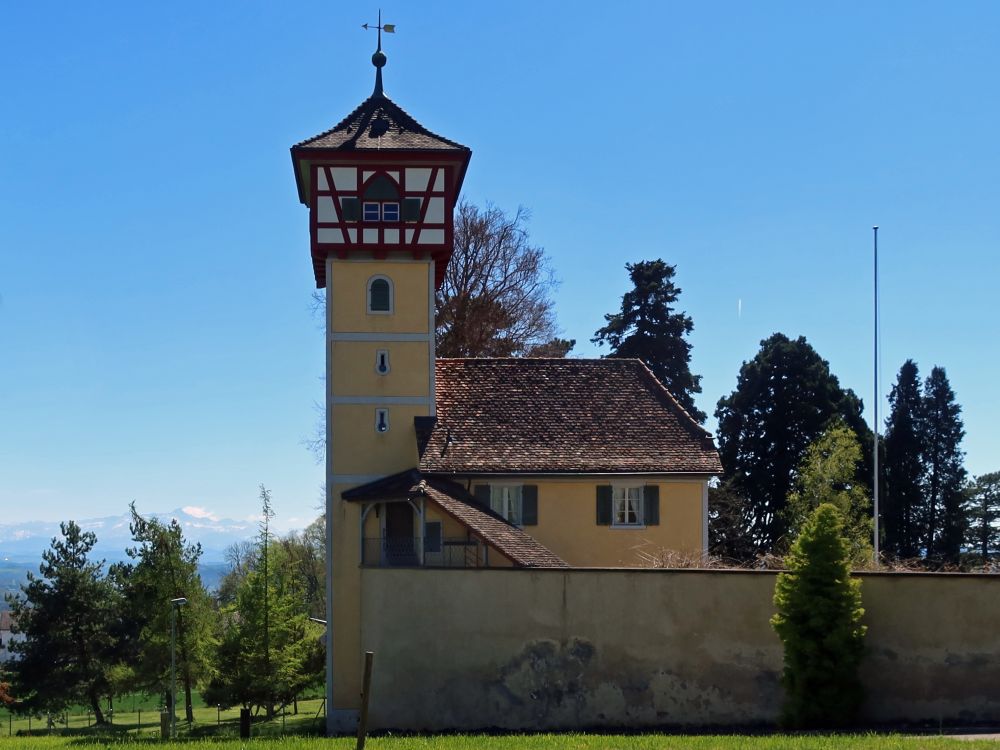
x=540, y=742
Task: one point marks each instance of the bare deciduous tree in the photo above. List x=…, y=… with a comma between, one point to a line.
x=495, y=300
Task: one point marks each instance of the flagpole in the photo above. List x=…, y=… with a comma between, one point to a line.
x=875, y=410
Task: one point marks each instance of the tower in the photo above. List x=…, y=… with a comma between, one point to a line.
x=381, y=190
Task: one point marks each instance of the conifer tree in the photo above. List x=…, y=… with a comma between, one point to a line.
x=819, y=624
x=904, y=469
x=165, y=567
x=785, y=398
x=64, y=614
x=945, y=474
x=983, y=514
x=648, y=328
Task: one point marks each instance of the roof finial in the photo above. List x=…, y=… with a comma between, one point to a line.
x=379, y=59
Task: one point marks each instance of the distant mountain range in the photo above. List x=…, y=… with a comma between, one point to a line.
x=22, y=544
x=25, y=542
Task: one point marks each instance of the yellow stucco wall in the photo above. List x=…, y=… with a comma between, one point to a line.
x=354, y=371
x=564, y=649
x=349, y=286
x=567, y=521
x=359, y=449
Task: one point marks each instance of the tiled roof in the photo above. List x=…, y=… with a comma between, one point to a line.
x=561, y=416
x=522, y=549
x=379, y=124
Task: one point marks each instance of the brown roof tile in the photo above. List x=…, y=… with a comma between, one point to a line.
x=522, y=549
x=379, y=123
x=561, y=416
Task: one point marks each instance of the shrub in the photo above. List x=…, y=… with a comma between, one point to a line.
x=819, y=624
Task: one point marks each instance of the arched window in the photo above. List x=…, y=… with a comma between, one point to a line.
x=380, y=295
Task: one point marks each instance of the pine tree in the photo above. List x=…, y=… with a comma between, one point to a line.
x=944, y=471
x=983, y=514
x=785, y=398
x=649, y=329
x=165, y=567
x=819, y=624
x=65, y=615
x=904, y=468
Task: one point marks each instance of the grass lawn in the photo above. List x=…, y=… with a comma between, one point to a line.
x=530, y=742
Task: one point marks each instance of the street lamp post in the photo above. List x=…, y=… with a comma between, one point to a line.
x=175, y=604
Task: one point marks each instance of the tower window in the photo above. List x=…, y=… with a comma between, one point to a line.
x=380, y=295
x=382, y=361
x=381, y=420
x=390, y=212
x=371, y=211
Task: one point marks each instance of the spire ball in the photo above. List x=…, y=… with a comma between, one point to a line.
x=379, y=59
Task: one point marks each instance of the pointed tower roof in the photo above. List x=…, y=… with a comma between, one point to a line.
x=379, y=124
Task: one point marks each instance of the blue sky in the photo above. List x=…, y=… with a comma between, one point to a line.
x=156, y=342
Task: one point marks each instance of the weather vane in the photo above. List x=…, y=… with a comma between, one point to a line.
x=388, y=28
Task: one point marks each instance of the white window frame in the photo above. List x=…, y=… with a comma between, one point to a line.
x=368, y=295
x=364, y=210
x=502, y=499
x=399, y=211
x=620, y=496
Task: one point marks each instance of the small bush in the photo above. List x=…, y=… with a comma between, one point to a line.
x=819, y=624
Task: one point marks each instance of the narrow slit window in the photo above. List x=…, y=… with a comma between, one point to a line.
x=382, y=361
x=381, y=420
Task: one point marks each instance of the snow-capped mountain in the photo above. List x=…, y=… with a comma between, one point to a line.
x=26, y=541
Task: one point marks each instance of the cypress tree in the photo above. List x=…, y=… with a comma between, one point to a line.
x=904, y=469
x=819, y=624
x=945, y=475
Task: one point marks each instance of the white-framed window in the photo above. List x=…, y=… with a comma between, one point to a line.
x=380, y=296
x=505, y=500
x=626, y=506
x=371, y=211
x=390, y=211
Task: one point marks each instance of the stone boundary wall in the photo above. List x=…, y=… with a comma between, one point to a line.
x=588, y=648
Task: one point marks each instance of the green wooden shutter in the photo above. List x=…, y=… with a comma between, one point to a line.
x=651, y=500
x=411, y=209
x=604, y=505
x=482, y=494
x=529, y=505
x=351, y=208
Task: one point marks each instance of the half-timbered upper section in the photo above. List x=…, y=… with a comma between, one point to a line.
x=379, y=182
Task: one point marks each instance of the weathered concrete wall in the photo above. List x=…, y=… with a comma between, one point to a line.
x=519, y=649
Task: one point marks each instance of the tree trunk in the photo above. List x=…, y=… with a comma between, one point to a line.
x=188, y=708
x=295, y=706
x=95, y=706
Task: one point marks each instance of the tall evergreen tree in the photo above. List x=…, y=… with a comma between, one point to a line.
x=649, y=328
x=819, y=624
x=945, y=474
x=904, y=469
x=64, y=615
x=165, y=567
x=785, y=398
x=983, y=514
